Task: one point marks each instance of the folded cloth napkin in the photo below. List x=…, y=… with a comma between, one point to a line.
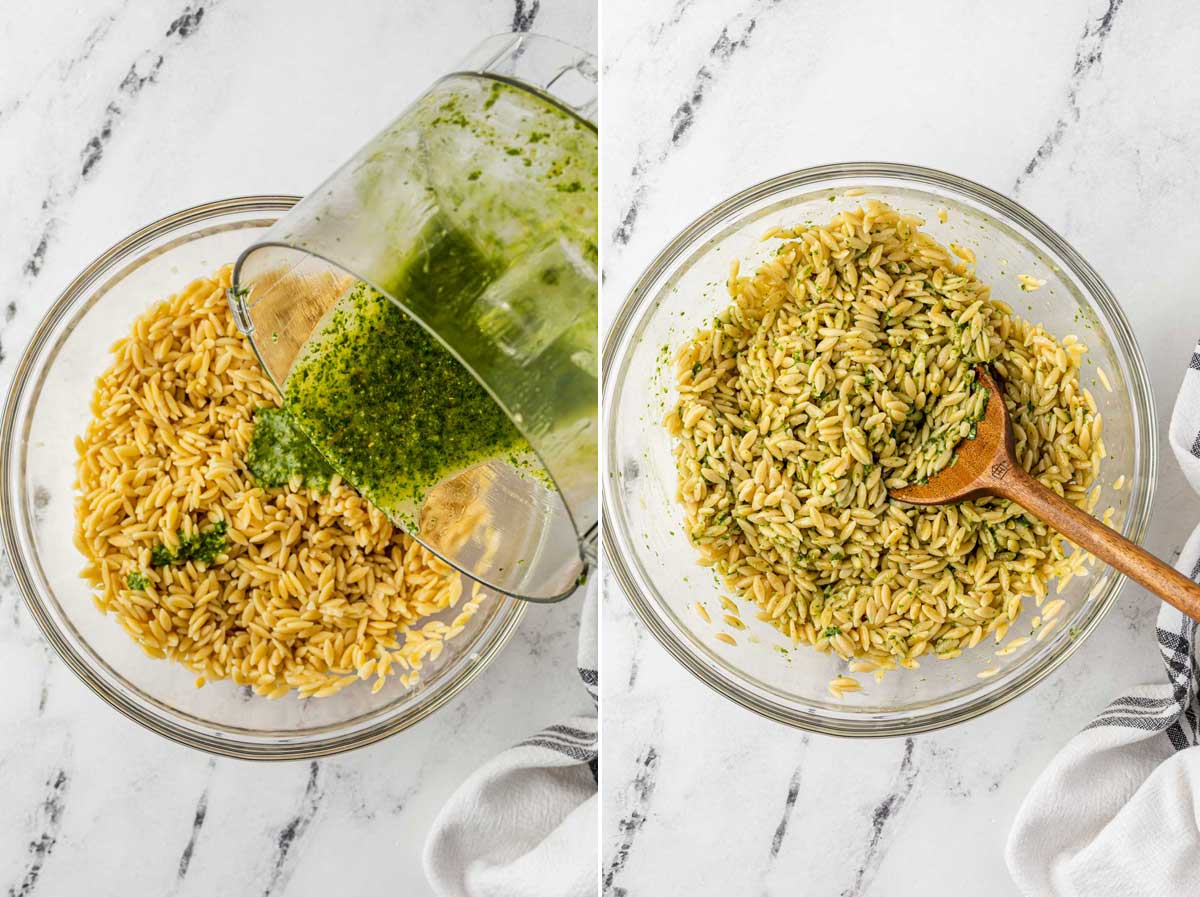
x=524, y=824
x=1118, y=810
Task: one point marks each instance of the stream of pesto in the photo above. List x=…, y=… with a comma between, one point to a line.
x=391, y=408
x=279, y=450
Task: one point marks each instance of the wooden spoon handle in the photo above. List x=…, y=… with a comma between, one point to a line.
x=1110, y=546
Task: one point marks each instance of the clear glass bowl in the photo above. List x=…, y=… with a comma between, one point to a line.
x=646, y=547
x=48, y=406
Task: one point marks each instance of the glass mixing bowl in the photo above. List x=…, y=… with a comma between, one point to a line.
x=48, y=405
x=645, y=544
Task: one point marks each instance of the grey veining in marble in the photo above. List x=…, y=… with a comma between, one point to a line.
x=114, y=113
x=1085, y=111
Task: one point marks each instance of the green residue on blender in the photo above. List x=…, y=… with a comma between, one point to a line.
x=392, y=409
x=491, y=224
x=505, y=255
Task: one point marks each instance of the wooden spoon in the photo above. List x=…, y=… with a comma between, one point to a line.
x=985, y=465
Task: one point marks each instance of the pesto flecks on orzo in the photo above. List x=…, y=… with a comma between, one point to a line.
x=842, y=367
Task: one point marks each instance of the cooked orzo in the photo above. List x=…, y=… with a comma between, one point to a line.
x=844, y=366
x=281, y=589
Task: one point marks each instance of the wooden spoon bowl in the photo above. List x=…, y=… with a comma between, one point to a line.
x=986, y=465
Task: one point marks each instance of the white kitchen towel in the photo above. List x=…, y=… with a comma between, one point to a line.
x=1117, y=813
x=525, y=824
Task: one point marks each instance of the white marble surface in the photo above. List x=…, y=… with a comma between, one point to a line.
x=114, y=113
x=1083, y=110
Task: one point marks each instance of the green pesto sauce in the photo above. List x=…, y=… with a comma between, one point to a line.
x=503, y=250
x=202, y=547
x=392, y=410
x=483, y=128
x=279, y=450
x=484, y=196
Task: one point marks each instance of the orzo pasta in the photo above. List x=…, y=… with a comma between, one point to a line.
x=844, y=366
x=280, y=589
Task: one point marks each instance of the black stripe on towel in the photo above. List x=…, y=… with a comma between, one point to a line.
x=1190, y=715
x=1172, y=641
x=1177, y=716
x=565, y=742
x=568, y=731
x=1179, y=740
x=1169, y=714
x=587, y=744
x=1196, y=446
x=567, y=750
x=1195, y=365
x=1147, y=703
x=1161, y=720
x=1146, y=723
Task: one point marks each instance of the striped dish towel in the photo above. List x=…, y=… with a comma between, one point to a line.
x=1118, y=810
x=525, y=824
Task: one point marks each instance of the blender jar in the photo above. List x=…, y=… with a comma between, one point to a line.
x=475, y=213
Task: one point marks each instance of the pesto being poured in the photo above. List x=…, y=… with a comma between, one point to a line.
x=390, y=407
x=279, y=451
x=482, y=204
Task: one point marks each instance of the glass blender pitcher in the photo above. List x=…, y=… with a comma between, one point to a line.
x=429, y=314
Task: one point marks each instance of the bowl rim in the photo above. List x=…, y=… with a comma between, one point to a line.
x=99, y=274
x=635, y=306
